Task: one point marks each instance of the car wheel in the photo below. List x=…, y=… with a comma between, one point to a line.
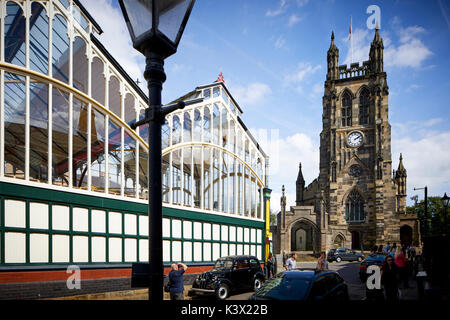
x=222, y=292
x=257, y=284
x=359, y=259
x=338, y=259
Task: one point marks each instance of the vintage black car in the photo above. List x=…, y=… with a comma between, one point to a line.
x=233, y=273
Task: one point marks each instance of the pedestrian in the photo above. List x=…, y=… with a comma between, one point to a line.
x=402, y=263
x=393, y=250
x=380, y=248
x=387, y=248
x=322, y=263
x=389, y=279
x=176, y=281
x=270, y=265
x=291, y=263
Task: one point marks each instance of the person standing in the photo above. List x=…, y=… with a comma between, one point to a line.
x=176, y=281
x=387, y=248
x=401, y=263
x=389, y=279
x=322, y=263
x=291, y=263
x=270, y=266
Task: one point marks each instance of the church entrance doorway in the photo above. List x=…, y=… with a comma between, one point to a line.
x=302, y=237
x=356, y=243
x=406, y=235
x=338, y=242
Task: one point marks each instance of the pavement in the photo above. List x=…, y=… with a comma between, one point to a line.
x=348, y=270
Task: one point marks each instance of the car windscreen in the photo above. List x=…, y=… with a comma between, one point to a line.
x=283, y=287
x=223, y=264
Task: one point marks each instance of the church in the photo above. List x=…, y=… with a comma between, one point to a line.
x=358, y=200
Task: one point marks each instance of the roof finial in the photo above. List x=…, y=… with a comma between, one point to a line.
x=220, y=78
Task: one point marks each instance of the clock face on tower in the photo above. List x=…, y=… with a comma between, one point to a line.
x=355, y=139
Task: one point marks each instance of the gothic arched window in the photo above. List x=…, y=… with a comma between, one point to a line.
x=346, y=110
x=354, y=207
x=364, y=107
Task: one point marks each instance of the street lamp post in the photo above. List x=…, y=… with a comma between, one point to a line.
x=426, y=210
x=156, y=27
x=445, y=199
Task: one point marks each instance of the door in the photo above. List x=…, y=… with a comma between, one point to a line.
x=355, y=240
x=240, y=273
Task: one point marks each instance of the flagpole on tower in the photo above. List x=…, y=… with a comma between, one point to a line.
x=351, y=41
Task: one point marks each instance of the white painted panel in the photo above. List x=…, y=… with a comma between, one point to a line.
x=166, y=250
x=98, y=223
x=239, y=234
x=253, y=235
x=14, y=247
x=259, y=252
x=240, y=249
x=166, y=228
x=258, y=235
x=187, y=230
x=80, y=249
x=38, y=215
x=216, y=232
x=224, y=233
x=38, y=248
x=143, y=250
x=246, y=249
x=197, y=251
x=197, y=230
x=14, y=213
x=60, y=217
x=176, y=251
x=253, y=250
x=130, y=224
x=187, y=251
x=207, y=231
x=98, y=247
x=246, y=235
x=115, y=222
x=143, y=225
x=232, y=249
x=115, y=250
x=80, y=219
x=216, y=251
x=232, y=233
x=130, y=250
x=176, y=228
x=224, y=251
x=206, y=251
x=60, y=248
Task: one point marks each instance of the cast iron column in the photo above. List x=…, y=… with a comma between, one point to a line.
x=155, y=76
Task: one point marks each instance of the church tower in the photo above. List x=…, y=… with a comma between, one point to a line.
x=355, y=152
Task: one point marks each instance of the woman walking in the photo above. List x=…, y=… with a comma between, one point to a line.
x=270, y=266
x=402, y=263
x=389, y=279
x=322, y=263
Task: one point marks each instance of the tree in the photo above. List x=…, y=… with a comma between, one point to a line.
x=273, y=218
x=435, y=215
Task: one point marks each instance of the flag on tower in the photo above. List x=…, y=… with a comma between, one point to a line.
x=350, y=30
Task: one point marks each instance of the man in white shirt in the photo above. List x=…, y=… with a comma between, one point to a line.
x=291, y=263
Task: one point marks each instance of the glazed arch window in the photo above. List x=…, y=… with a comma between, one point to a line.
x=364, y=107
x=346, y=110
x=354, y=207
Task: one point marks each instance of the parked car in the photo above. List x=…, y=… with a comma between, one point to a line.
x=376, y=259
x=304, y=284
x=344, y=254
x=229, y=274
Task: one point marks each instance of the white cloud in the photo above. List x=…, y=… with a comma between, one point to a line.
x=302, y=3
x=251, y=94
x=304, y=70
x=426, y=160
x=293, y=19
x=279, y=43
x=281, y=8
x=409, y=52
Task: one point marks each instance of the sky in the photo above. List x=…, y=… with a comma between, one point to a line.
x=272, y=54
